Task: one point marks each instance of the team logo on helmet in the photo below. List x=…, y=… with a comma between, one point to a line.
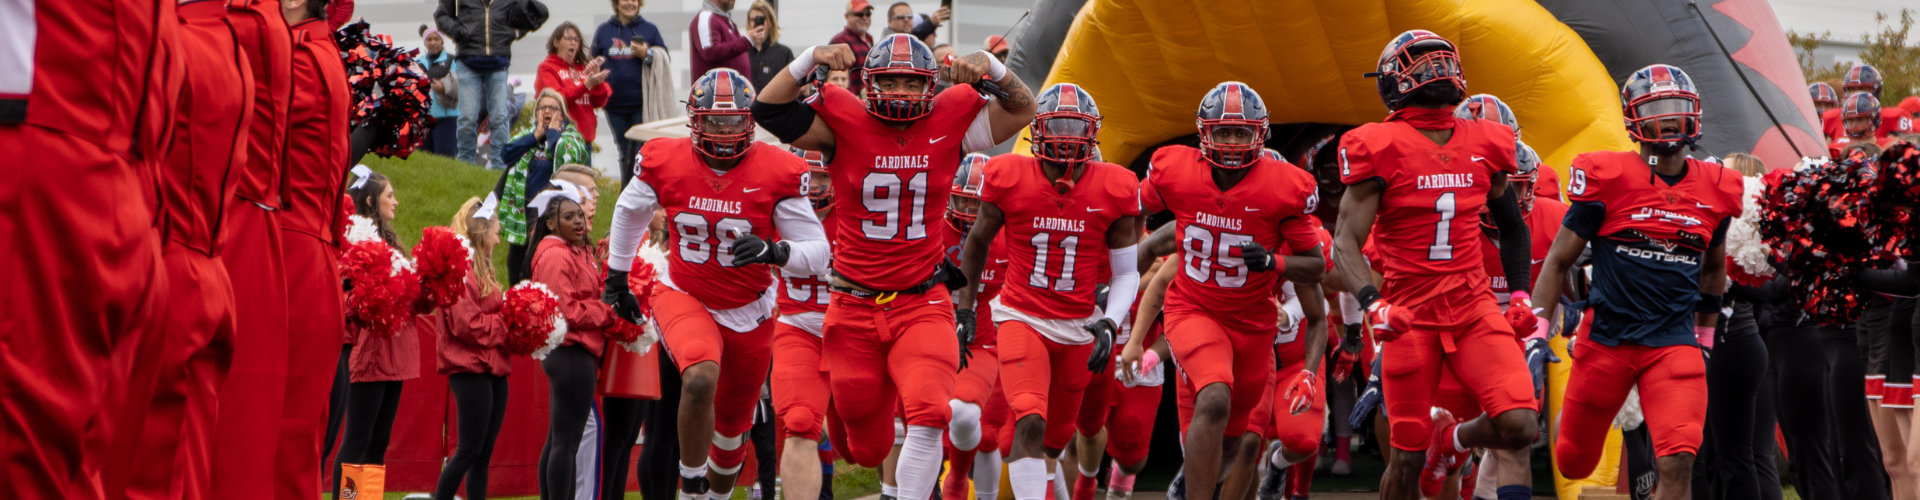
x=718, y=111
x=1232, y=109
x=1658, y=96
x=899, y=55
x=1860, y=115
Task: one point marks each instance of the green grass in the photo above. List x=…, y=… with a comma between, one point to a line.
x=431, y=188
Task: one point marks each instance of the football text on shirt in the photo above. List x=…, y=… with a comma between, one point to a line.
x=1445, y=181
x=900, y=162
x=1651, y=254
x=1207, y=219
x=1052, y=224
x=712, y=205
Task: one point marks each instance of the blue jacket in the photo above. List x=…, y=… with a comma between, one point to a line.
x=438, y=109
x=625, y=68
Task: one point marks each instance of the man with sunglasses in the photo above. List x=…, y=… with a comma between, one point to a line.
x=855, y=37
x=1419, y=179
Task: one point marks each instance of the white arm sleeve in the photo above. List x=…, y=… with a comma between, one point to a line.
x=1125, y=283
x=807, y=250
x=1349, y=309
x=631, y=216
x=980, y=133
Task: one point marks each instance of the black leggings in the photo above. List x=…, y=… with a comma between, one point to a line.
x=571, y=374
x=1800, y=395
x=763, y=436
x=1862, y=473
x=337, y=406
x=623, y=418
x=659, y=467
x=370, y=410
x=481, y=402
x=517, y=269
x=1735, y=429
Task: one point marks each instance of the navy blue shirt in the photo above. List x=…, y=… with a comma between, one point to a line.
x=625, y=66
x=1643, y=292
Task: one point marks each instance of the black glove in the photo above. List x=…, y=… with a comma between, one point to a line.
x=964, y=327
x=1352, y=341
x=951, y=275
x=1570, y=317
x=1102, y=331
x=1258, y=259
x=751, y=249
x=619, y=295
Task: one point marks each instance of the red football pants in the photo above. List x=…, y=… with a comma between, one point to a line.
x=1482, y=354
x=1128, y=418
x=84, y=284
x=692, y=337
x=1044, y=378
x=1673, y=395
x=316, y=325
x=799, y=382
x=873, y=350
x=1211, y=353
x=175, y=450
x=1300, y=434
x=247, y=428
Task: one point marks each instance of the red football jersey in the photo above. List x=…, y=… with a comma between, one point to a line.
x=1684, y=213
x=314, y=172
x=991, y=274
x=1428, y=223
x=1056, y=243
x=892, y=185
x=1544, y=223
x=1270, y=207
x=1893, y=120
x=209, y=132
x=706, y=212
x=807, y=293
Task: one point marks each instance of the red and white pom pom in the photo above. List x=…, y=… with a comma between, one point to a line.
x=443, y=260
x=534, y=323
x=384, y=287
x=1744, y=245
x=361, y=229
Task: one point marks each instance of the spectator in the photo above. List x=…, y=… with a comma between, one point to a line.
x=485, y=43
x=859, y=18
x=553, y=141
x=768, y=54
x=900, y=19
x=944, y=78
x=997, y=45
x=581, y=81
x=841, y=79
x=446, y=92
x=623, y=42
x=716, y=42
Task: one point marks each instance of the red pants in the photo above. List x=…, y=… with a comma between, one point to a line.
x=84, y=282
x=1300, y=434
x=247, y=429
x=1044, y=378
x=976, y=383
x=1482, y=353
x=875, y=349
x=178, y=439
x=1127, y=415
x=799, y=382
x=1455, y=398
x=692, y=337
x=1211, y=353
x=1673, y=395
x=316, y=323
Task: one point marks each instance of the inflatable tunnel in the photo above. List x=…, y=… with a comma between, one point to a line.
x=1557, y=62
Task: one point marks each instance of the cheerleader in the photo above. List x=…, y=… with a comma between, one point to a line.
x=378, y=364
x=470, y=357
x=562, y=259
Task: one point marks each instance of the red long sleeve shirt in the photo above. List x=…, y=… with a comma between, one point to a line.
x=571, y=82
x=568, y=271
x=473, y=331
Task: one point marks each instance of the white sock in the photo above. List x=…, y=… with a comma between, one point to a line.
x=890, y=490
x=719, y=495
x=1488, y=485
x=920, y=457
x=1029, y=478
x=964, y=427
x=1060, y=490
x=986, y=475
x=1088, y=473
x=1457, y=448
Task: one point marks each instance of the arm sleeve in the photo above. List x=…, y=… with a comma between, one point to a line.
x=600, y=94
x=1298, y=234
x=1888, y=281
x=548, y=79
x=631, y=215
x=788, y=122
x=1720, y=233
x=807, y=250
x=1126, y=276
x=1516, y=241
x=1356, y=160
x=923, y=26
x=980, y=132
x=444, y=18
x=1150, y=200
x=553, y=269
x=475, y=324
x=600, y=41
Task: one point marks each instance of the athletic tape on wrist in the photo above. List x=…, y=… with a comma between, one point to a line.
x=802, y=64
x=995, y=69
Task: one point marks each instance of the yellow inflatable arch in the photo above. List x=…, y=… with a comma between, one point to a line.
x=1148, y=62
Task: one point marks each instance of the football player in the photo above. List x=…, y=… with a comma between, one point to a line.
x=1862, y=78
x=799, y=382
x=971, y=429
x=1657, y=223
x=1824, y=98
x=727, y=198
x=1240, y=225
x=1860, y=116
x=893, y=322
x=1419, y=178
x=1059, y=236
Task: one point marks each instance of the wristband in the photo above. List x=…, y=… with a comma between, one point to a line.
x=802, y=64
x=995, y=69
x=1704, y=336
x=1149, y=360
x=1366, y=296
x=1516, y=297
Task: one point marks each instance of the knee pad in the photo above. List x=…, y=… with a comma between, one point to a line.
x=964, y=428
x=802, y=423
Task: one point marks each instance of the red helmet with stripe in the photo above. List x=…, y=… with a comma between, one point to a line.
x=820, y=193
x=899, y=55
x=1862, y=78
x=963, y=202
x=1066, y=126
x=720, y=114
x=1823, y=94
x=1415, y=59
x=1230, y=112
x=1657, y=94
x=1860, y=115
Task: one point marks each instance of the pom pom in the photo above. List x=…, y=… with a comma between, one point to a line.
x=1899, y=186
x=1820, y=223
x=1745, y=249
x=534, y=324
x=384, y=286
x=345, y=220
x=442, y=257
x=361, y=230
x=389, y=90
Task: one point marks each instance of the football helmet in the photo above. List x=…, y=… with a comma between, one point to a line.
x=1862, y=78
x=1230, y=106
x=1659, y=93
x=1823, y=94
x=1866, y=109
x=899, y=54
x=820, y=193
x=1415, y=59
x=1490, y=108
x=1066, y=125
x=963, y=202
x=719, y=112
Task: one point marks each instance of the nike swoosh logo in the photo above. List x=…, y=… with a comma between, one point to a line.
x=1537, y=261
x=1697, y=204
x=1476, y=158
x=1252, y=209
x=999, y=261
x=935, y=301
x=749, y=190
x=1095, y=209
x=936, y=139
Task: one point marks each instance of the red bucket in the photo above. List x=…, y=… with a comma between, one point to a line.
x=624, y=374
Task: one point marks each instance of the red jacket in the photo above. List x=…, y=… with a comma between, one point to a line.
x=209, y=138
x=393, y=358
x=571, y=81
x=315, y=167
x=568, y=271
x=473, y=333
x=268, y=47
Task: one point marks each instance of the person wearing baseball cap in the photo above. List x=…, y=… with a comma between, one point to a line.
x=997, y=45
x=859, y=20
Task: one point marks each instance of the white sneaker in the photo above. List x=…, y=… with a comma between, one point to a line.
x=1342, y=468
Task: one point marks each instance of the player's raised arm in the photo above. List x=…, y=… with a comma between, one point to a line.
x=778, y=109
x=1011, y=114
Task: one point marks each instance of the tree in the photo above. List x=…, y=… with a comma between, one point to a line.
x=1888, y=50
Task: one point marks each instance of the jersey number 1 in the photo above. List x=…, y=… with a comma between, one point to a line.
x=1442, y=248
x=880, y=192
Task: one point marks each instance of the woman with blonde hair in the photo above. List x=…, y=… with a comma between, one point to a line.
x=470, y=356
x=767, y=56
x=534, y=155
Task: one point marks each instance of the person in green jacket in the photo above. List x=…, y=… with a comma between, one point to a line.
x=533, y=155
